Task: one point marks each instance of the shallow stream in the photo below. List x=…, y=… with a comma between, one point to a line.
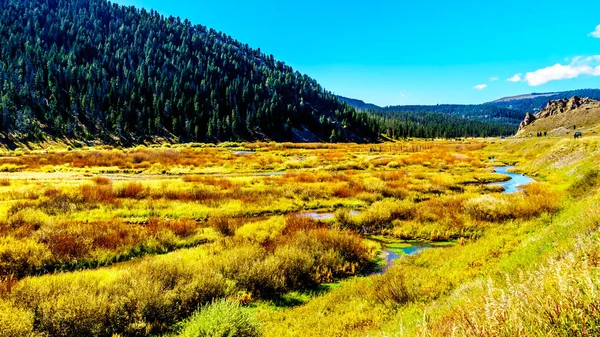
x=390, y=255
x=324, y=215
x=516, y=180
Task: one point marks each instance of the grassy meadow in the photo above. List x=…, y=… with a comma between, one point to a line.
x=282, y=239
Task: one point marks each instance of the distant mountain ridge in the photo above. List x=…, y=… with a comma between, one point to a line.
x=507, y=110
x=476, y=112
x=442, y=118
x=524, y=96
x=358, y=104
x=535, y=102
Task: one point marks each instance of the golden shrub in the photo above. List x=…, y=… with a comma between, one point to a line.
x=22, y=256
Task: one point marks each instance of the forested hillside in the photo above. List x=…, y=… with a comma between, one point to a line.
x=509, y=111
x=89, y=69
x=488, y=113
x=476, y=112
x=437, y=125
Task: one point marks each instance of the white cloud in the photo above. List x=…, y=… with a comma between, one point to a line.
x=494, y=78
x=480, y=86
x=577, y=67
x=515, y=79
x=596, y=33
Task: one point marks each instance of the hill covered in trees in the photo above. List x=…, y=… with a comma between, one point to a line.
x=89, y=70
x=398, y=125
x=508, y=111
x=441, y=121
x=475, y=112
x=487, y=113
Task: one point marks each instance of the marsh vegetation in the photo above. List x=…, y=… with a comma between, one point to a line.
x=279, y=239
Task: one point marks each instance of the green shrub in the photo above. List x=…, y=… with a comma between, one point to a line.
x=292, y=265
x=56, y=202
x=222, y=225
x=221, y=319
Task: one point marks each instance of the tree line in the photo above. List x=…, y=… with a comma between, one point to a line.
x=89, y=69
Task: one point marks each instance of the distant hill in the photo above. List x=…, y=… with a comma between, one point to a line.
x=399, y=124
x=563, y=116
x=537, y=101
x=476, y=112
x=358, y=104
x=508, y=111
x=524, y=96
x=487, y=113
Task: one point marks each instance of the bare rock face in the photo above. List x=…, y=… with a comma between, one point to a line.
x=556, y=107
x=529, y=118
x=563, y=105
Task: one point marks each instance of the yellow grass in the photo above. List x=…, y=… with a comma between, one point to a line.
x=102, y=241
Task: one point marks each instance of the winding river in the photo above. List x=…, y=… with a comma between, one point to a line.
x=510, y=186
x=516, y=180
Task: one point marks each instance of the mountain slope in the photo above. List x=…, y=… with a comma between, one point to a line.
x=92, y=70
x=561, y=117
x=87, y=68
x=523, y=96
x=443, y=121
x=438, y=125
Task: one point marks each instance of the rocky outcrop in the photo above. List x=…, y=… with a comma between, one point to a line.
x=563, y=105
x=529, y=118
x=556, y=107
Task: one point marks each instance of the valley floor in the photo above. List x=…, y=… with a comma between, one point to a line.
x=280, y=239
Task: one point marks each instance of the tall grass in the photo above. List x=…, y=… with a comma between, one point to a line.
x=262, y=249
x=141, y=300
x=148, y=297
x=221, y=319
x=558, y=299
x=535, y=200
x=587, y=183
x=35, y=245
x=15, y=322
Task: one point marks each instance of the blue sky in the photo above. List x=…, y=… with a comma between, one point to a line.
x=416, y=52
